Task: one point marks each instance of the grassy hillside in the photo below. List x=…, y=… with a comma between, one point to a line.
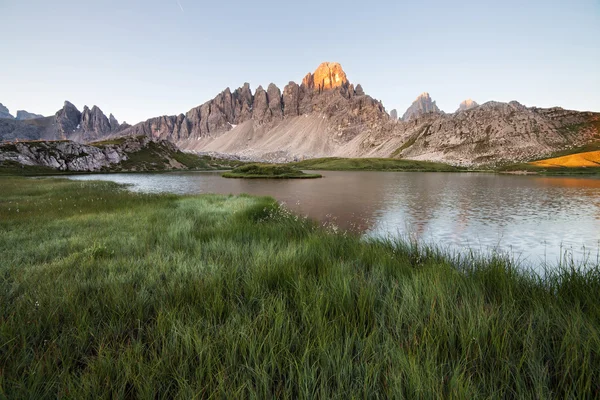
x=110, y=294
x=583, y=163
x=587, y=159
x=372, y=164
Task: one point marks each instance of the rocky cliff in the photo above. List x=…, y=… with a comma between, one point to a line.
x=421, y=106
x=124, y=154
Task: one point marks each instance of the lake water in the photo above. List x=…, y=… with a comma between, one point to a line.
x=533, y=218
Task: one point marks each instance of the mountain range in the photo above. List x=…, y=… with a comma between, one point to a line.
x=327, y=115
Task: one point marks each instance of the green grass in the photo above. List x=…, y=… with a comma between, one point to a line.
x=268, y=171
x=12, y=168
x=106, y=293
x=373, y=164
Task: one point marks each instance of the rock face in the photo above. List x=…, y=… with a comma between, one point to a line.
x=23, y=115
x=94, y=124
x=66, y=155
x=421, y=106
x=327, y=76
x=4, y=112
x=467, y=105
x=68, y=119
x=394, y=115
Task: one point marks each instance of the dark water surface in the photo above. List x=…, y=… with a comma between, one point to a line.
x=536, y=219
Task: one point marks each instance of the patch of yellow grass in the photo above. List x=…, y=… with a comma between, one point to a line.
x=587, y=159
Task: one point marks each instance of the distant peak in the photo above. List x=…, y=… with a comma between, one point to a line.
x=423, y=104
x=467, y=105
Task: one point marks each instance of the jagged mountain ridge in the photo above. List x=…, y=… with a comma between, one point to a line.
x=308, y=120
x=326, y=115
x=67, y=124
x=21, y=114
x=324, y=94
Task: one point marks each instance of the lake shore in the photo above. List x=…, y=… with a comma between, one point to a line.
x=134, y=294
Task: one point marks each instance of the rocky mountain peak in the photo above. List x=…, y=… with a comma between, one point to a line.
x=4, y=112
x=328, y=75
x=422, y=105
x=394, y=115
x=67, y=119
x=467, y=105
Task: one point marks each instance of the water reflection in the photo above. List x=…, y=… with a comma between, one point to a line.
x=534, y=218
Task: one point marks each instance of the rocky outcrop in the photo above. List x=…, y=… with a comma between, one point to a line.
x=394, y=115
x=23, y=115
x=65, y=155
x=422, y=105
x=467, y=105
x=4, y=112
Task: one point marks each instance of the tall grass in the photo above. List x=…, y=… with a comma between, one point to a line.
x=106, y=293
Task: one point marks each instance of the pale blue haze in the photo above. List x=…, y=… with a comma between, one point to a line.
x=139, y=59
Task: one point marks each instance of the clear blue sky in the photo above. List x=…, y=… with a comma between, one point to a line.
x=144, y=58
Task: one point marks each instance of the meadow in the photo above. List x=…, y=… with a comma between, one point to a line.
x=106, y=293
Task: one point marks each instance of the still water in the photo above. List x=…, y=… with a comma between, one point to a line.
x=537, y=220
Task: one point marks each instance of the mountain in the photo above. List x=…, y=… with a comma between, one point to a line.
x=422, y=105
x=394, y=115
x=316, y=117
x=489, y=134
x=67, y=124
x=23, y=115
x=467, y=105
x=328, y=116
x=4, y=112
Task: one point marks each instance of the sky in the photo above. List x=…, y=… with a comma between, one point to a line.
x=139, y=59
